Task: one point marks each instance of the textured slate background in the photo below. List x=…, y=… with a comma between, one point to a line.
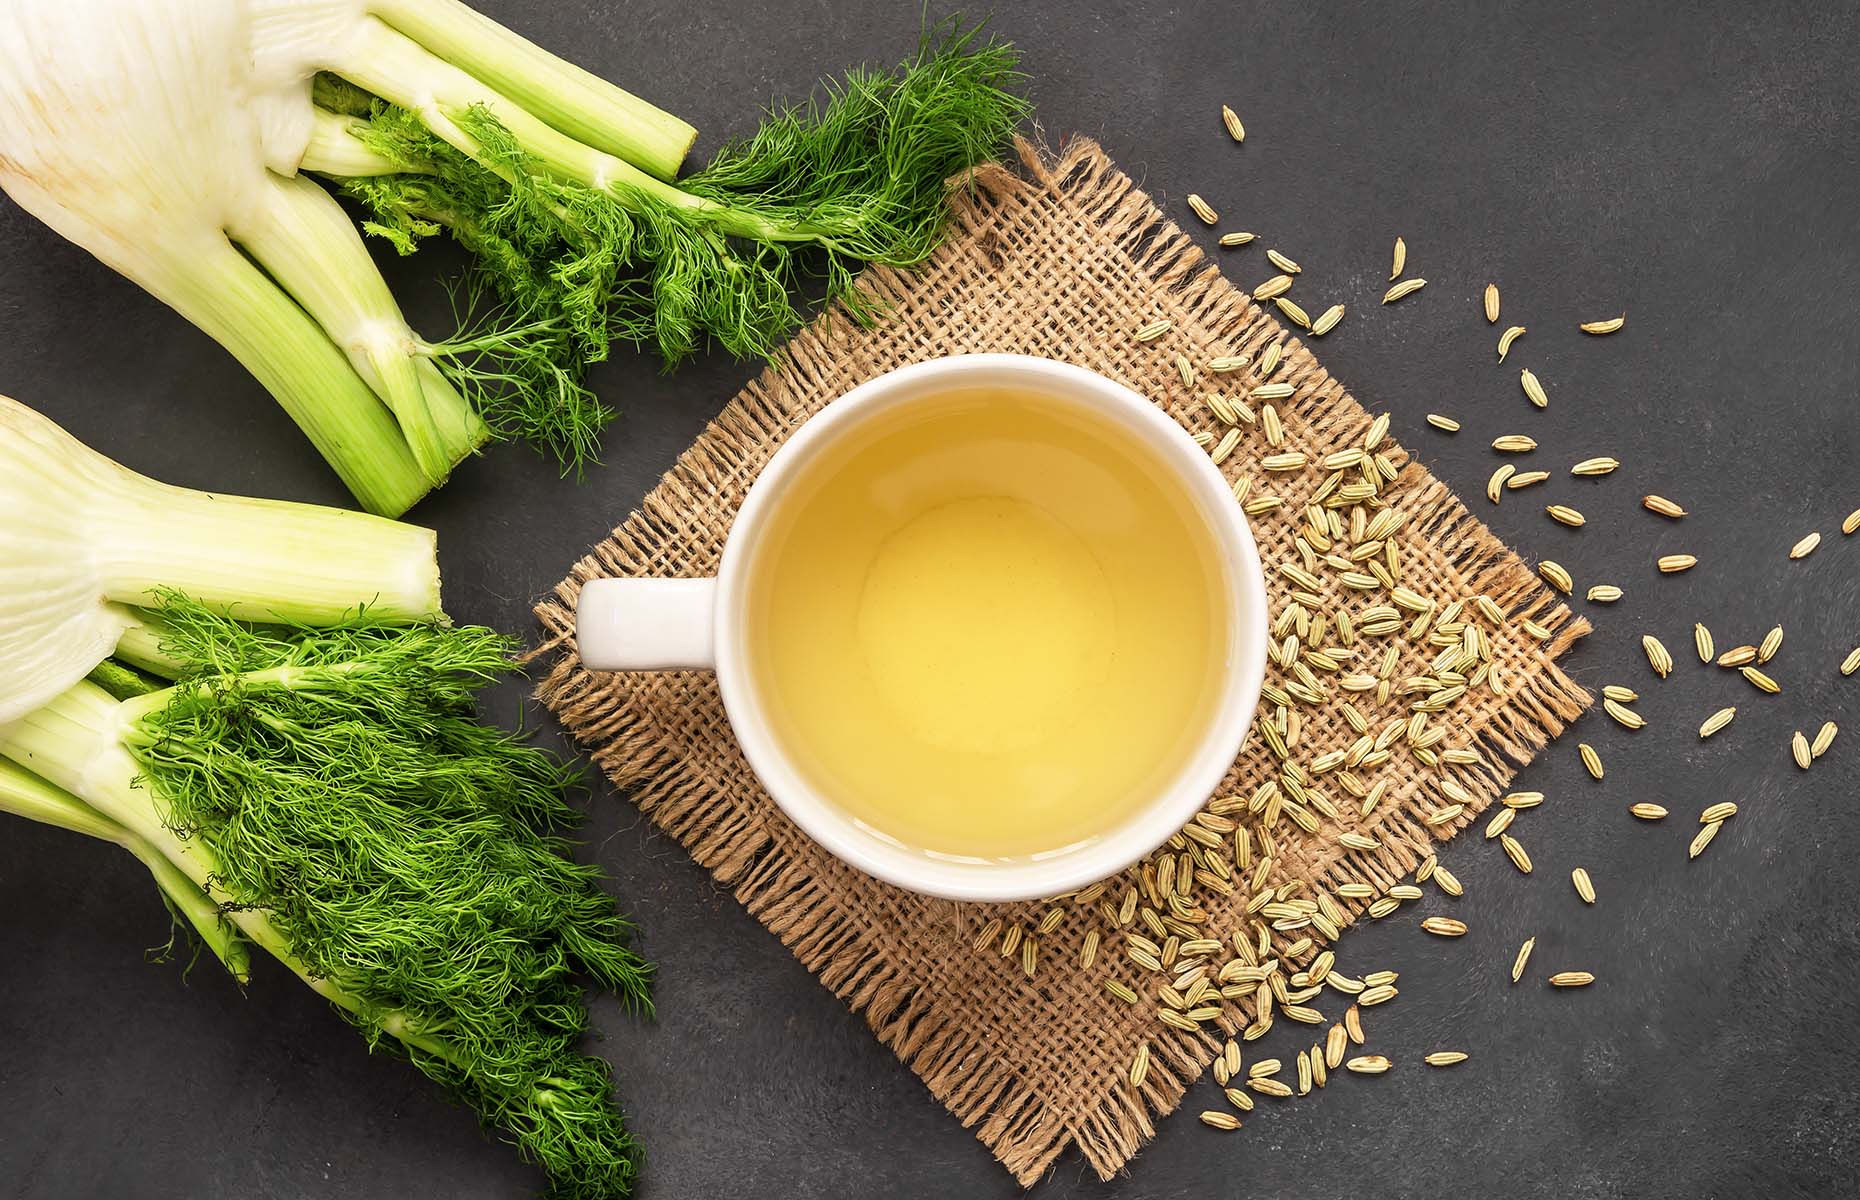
x=1693, y=164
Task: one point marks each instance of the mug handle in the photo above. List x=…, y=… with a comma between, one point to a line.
x=647, y=624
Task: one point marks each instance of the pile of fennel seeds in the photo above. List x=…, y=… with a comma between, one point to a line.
x=1208, y=979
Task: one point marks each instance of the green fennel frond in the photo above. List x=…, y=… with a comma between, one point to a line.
x=408, y=853
x=857, y=176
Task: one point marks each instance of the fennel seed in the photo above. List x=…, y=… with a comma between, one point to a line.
x=1702, y=642
x=1445, y=1058
x=1671, y=564
x=1491, y=304
x=1647, y=812
x=1524, y=479
x=1443, y=423
x=1495, y=485
x=1139, y=1066
x=1584, y=886
x=1533, y=390
x=1623, y=715
x=1760, y=681
x=1203, y=210
x=1506, y=338
x=1401, y=259
x=1231, y=120
x=1806, y=546
x=1236, y=238
x=1524, y=956
x=1851, y=663
x=1327, y=320
x=1724, y=810
x=1604, y=593
x=1514, y=850
x=1824, y=738
x=1572, y=979
x=1283, y=263
x=1278, y=285
x=1602, y=465
x=1852, y=523
x=1563, y=514
x=1219, y=1120
x=1406, y=287
x=1657, y=655
x=1799, y=747
x=1444, y=927
x=1514, y=443
x=1717, y=721
x=1771, y=643
x=1703, y=839
x=1663, y=506
x=1590, y=759
x=1293, y=311
x=1558, y=577
x=1154, y=330
x=1600, y=327
x=1368, y=1064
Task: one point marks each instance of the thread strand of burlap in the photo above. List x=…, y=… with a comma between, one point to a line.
x=1064, y=259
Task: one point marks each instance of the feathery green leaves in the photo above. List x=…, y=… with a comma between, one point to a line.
x=857, y=176
x=408, y=854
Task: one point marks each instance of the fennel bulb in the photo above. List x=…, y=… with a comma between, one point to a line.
x=163, y=136
x=83, y=537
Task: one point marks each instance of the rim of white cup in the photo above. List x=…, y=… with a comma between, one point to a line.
x=1148, y=825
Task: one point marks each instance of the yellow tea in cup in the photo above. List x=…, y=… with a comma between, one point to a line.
x=989, y=625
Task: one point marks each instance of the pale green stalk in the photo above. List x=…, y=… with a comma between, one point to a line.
x=400, y=71
x=567, y=97
x=141, y=645
x=264, y=560
x=308, y=244
x=229, y=298
x=336, y=148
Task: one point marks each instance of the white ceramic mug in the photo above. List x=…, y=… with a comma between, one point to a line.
x=698, y=624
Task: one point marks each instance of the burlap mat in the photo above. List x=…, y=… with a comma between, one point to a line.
x=1066, y=260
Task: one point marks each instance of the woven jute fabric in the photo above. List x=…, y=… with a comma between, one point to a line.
x=1065, y=258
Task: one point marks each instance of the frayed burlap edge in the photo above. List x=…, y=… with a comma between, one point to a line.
x=686, y=796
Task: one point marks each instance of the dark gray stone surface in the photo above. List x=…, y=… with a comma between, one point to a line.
x=1695, y=165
